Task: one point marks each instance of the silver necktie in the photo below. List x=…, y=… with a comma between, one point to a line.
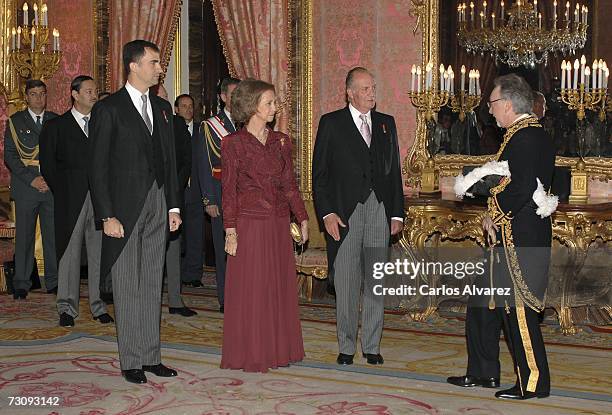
x=86, y=126
x=145, y=114
x=365, y=129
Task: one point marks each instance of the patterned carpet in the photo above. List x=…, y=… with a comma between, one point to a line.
x=79, y=366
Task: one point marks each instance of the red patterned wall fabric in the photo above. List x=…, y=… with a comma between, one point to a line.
x=75, y=21
x=152, y=20
x=376, y=34
x=255, y=36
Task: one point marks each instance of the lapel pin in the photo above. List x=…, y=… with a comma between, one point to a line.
x=165, y=116
x=384, y=129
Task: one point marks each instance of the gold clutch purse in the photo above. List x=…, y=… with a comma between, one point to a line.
x=295, y=232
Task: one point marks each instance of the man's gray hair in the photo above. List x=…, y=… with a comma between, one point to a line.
x=516, y=90
x=351, y=74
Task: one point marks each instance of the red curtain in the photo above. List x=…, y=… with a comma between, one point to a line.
x=152, y=20
x=255, y=35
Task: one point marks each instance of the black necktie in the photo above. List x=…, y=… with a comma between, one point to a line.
x=38, y=122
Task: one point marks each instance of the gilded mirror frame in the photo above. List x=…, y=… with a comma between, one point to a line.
x=451, y=165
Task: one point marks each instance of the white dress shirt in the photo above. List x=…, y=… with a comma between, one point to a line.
x=229, y=116
x=33, y=115
x=136, y=97
x=79, y=118
x=190, y=127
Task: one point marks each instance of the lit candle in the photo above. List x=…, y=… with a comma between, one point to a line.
x=540, y=20
x=587, y=74
x=441, y=77
x=58, y=42
x=44, y=14
x=519, y=8
x=18, y=37
x=582, y=63
x=451, y=80
x=576, y=66
x=35, y=7
x=481, y=20
x=502, y=11
x=484, y=8
x=462, y=78
x=33, y=33
x=567, y=7
x=493, y=20
x=429, y=78
x=606, y=78
x=595, y=74
x=563, y=75
x=446, y=86
x=459, y=13
x=477, y=82
x=412, y=78
x=472, y=12
x=601, y=71
x=568, y=66
x=555, y=15
x=576, y=11
x=472, y=89
x=25, y=14
x=586, y=15
x=418, y=72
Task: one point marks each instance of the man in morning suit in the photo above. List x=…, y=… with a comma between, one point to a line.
x=63, y=164
x=193, y=210
x=516, y=222
x=134, y=191
x=208, y=159
x=29, y=190
x=358, y=197
x=182, y=148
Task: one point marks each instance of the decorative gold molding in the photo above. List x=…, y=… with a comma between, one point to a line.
x=177, y=60
x=305, y=107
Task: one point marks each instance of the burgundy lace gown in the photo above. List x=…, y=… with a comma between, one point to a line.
x=261, y=324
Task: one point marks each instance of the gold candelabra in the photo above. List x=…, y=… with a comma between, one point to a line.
x=31, y=54
x=466, y=101
x=587, y=89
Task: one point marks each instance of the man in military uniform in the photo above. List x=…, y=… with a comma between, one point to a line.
x=29, y=190
x=517, y=221
x=208, y=159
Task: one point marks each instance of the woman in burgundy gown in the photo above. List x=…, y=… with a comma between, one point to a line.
x=261, y=323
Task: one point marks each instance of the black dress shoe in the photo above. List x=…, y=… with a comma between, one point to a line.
x=515, y=394
x=183, y=311
x=471, y=381
x=195, y=284
x=160, y=370
x=66, y=320
x=52, y=291
x=134, y=375
x=104, y=318
x=344, y=359
x=374, y=358
x=222, y=309
x=20, y=294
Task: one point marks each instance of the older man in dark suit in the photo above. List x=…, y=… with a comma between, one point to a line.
x=134, y=192
x=63, y=164
x=29, y=190
x=357, y=189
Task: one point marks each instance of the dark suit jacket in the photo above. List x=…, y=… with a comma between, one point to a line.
x=193, y=194
x=120, y=168
x=63, y=164
x=209, y=154
x=22, y=175
x=182, y=146
x=344, y=169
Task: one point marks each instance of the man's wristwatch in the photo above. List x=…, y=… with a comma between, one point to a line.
x=205, y=201
x=105, y=219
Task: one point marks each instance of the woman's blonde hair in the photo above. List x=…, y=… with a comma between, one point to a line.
x=245, y=98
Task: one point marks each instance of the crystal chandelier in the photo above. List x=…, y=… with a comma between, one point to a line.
x=517, y=35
